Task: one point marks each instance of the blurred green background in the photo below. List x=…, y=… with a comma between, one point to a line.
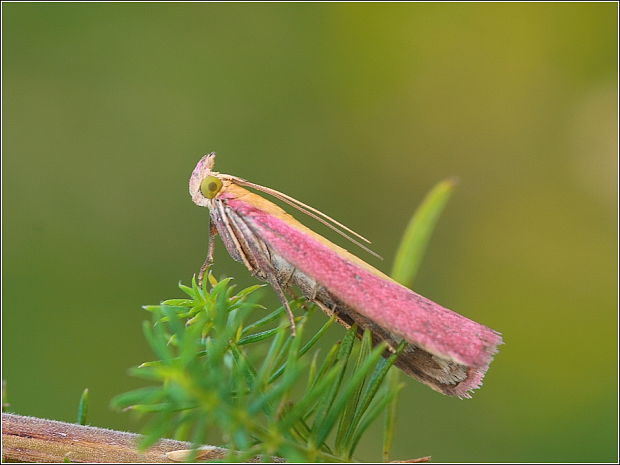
x=358, y=110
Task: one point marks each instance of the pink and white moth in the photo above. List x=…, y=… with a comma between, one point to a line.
x=445, y=350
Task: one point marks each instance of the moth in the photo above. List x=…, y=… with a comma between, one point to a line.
x=444, y=350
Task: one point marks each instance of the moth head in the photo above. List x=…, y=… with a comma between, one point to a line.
x=204, y=184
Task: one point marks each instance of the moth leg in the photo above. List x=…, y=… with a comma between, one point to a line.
x=296, y=295
x=288, y=290
x=332, y=312
x=315, y=291
x=211, y=248
x=271, y=279
x=288, y=278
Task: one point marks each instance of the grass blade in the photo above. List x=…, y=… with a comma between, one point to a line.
x=343, y=356
x=368, y=395
x=369, y=418
x=257, y=337
x=83, y=408
x=352, y=406
x=418, y=232
x=390, y=414
x=321, y=431
x=307, y=346
x=263, y=321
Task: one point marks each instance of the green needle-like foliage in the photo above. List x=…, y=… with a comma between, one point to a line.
x=267, y=393
x=83, y=408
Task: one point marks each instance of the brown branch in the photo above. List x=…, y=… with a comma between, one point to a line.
x=418, y=460
x=28, y=439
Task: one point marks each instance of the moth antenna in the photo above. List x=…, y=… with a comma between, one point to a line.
x=294, y=203
x=310, y=211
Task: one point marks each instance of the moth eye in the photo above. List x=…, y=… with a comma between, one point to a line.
x=210, y=186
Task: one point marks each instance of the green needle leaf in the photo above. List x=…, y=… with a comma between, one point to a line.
x=83, y=408
x=322, y=430
x=266, y=393
x=418, y=233
x=390, y=416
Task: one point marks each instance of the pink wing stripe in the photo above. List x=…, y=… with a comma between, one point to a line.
x=415, y=318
